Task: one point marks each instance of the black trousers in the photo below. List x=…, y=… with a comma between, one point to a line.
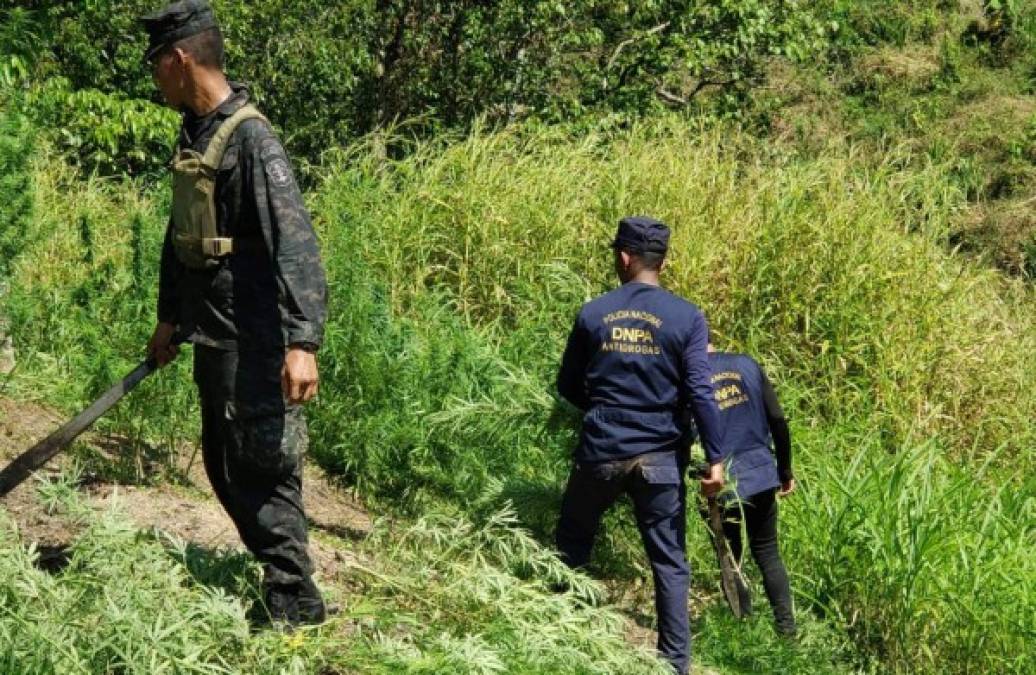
x=759, y=513
x=655, y=485
x=252, y=446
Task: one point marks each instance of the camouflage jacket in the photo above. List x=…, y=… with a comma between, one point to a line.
x=274, y=292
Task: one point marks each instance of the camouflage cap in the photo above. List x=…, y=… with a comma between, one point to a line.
x=176, y=21
x=641, y=234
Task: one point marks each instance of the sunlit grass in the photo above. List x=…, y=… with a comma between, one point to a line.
x=455, y=275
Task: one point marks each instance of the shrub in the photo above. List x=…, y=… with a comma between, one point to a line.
x=16, y=194
x=330, y=73
x=105, y=134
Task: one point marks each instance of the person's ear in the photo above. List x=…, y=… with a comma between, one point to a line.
x=627, y=259
x=183, y=59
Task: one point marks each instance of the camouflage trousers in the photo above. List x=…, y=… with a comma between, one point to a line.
x=252, y=445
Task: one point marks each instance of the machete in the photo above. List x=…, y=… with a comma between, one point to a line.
x=735, y=590
x=15, y=473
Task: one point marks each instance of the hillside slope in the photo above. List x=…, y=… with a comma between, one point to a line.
x=862, y=222
x=454, y=275
x=144, y=578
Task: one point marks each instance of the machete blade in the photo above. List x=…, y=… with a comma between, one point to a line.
x=15, y=473
x=735, y=590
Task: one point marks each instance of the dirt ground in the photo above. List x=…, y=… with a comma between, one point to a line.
x=188, y=511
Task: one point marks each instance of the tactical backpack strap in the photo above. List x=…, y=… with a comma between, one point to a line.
x=212, y=244
x=217, y=146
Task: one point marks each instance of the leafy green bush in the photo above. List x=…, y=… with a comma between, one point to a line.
x=330, y=73
x=19, y=41
x=16, y=194
x=105, y=133
x=875, y=22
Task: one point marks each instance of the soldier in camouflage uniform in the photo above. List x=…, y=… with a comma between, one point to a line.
x=241, y=278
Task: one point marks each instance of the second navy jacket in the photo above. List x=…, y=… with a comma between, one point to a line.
x=752, y=420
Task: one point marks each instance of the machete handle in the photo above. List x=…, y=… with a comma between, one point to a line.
x=699, y=469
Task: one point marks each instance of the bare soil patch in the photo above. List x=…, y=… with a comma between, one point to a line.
x=188, y=511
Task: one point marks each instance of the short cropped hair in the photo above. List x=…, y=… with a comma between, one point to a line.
x=651, y=261
x=206, y=47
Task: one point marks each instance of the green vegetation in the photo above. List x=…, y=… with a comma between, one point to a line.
x=437, y=369
x=16, y=145
x=949, y=84
x=813, y=264
x=440, y=596
x=332, y=72
x=863, y=225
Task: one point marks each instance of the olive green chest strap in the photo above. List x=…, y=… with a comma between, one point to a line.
x=213, y=156
x=196, y=237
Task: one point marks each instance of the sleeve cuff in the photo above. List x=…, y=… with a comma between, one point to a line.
x=304, y=335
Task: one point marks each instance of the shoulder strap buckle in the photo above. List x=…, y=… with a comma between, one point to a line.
x=217, y=247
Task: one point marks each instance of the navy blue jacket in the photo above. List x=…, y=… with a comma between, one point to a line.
x=635, y=356
x=751, y=415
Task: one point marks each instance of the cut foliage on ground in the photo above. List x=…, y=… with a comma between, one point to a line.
x=455, y=273
x=137, y=579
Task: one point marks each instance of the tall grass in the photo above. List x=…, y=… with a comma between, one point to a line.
x=81, y=301
x=456, y=272
x=809, y=263
x=926, y=563
x=833, y=269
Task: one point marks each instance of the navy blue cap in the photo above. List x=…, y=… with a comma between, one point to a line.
x=641, y=234
x=175, y=22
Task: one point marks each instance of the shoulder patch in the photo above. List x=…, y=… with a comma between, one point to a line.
x=278, y=170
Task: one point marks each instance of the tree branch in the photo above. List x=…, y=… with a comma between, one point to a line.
x=628, y=41
x=677, y=100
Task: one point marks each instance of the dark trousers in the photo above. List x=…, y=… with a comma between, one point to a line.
x=759, y=513
x=252, y=446
x=655, y=485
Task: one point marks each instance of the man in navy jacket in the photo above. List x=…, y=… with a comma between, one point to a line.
x=751, y=418
x=636, y=356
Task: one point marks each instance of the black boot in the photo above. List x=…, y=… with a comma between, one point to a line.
x=311, y=608
x=280, y=607
x=786, y=627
